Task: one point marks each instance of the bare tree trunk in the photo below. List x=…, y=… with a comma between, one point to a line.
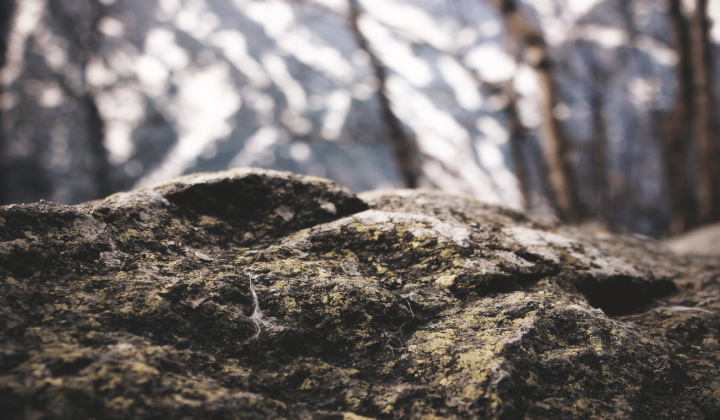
x=604, y=198
x=677, y=127
x=404, y=148
x=86, y=36
x=562, y=173
x=517, y=133
x=706, y=144
x=96, y=134
x=7, y=10
x=517, y=137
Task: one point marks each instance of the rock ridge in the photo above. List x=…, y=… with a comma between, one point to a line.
x=262, y=294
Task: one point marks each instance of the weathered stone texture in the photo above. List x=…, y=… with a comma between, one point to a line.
x=258, y=294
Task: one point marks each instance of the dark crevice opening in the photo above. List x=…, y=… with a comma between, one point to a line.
x=621, y=295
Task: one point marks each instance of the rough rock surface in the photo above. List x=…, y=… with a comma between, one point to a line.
x=258, y=294
x=704, y=241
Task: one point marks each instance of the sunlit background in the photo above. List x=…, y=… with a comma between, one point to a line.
x=105, y=96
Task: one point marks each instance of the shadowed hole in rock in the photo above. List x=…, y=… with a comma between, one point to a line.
x=622, y=294
x=253, y=196
x=227, y=198
x=62, y=368
x=662, y=288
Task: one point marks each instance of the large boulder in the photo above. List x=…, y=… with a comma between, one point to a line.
x=260, y=294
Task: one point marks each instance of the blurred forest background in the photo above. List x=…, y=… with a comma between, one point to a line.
x=581, y=110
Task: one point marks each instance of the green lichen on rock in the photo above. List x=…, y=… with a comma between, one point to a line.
x=260, y=294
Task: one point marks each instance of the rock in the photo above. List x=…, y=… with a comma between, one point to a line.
x=260, y=294
x=704, y=241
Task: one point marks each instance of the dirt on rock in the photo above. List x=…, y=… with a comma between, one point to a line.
x=261, y=294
